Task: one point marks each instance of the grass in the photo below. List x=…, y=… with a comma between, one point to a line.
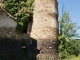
x=73, y=58
x=76, y=58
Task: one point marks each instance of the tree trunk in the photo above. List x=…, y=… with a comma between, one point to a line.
x=45, y=29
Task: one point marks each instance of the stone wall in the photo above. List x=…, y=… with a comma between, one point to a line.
x=45, y=28
x=6, y=20
x=11, y=41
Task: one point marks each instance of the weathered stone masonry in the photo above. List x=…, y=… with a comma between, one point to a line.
x=45, y=28
x=10, y=40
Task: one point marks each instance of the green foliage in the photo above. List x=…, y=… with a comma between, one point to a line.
x=67, y=27
x=21, y=11
x=77, y=42
x=67, y=46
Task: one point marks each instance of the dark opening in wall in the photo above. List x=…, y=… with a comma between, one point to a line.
x=25, y=27
x=28, y=25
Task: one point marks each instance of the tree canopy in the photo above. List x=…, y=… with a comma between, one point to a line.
x=68, y=30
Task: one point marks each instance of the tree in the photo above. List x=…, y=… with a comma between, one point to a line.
x=67, y=27
x=45, y=29
x=67, y=46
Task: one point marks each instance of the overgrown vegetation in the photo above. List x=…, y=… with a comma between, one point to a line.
x=21, y=11
x=67, y=46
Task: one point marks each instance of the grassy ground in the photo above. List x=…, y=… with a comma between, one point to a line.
x=73, y=58
x=76, y=58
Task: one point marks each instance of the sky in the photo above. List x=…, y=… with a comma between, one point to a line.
x=73, y=7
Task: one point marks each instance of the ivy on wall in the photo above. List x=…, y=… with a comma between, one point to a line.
x=21, y=11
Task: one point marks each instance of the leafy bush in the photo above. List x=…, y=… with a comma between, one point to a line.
x=67, y=48
x=77, y=42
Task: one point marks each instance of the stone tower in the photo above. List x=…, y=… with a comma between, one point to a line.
x=45, y=28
